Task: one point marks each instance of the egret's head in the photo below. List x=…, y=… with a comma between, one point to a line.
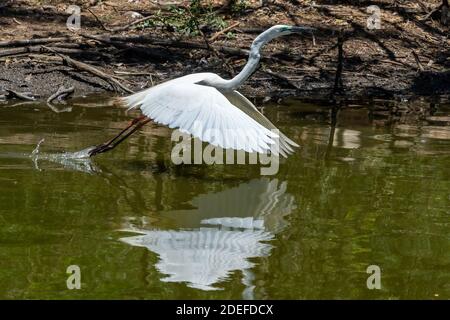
x=281, y=30
x=278, y=31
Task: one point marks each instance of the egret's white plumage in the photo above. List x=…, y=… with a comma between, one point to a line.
x=220, y=119
x=209, y=108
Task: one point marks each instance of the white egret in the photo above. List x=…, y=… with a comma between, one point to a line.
x=209, y=108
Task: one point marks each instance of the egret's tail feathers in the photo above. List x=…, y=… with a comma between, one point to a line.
x=131, y=101
x=119, y=101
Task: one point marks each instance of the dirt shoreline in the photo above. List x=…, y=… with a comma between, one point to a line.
x=407, y=59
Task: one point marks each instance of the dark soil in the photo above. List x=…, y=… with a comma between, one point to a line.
x=408, y=57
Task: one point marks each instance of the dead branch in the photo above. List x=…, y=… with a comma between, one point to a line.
x=117, y=40
x=117, y=29
x=27, y=42
x=338, y=79
x=92, y=70
x=166, y=43
x=22, y=96
x=99, y=21
x=126, y=73
x=221, y=32
x=123, y=28
x=62, y=93
x=36, y=49
x=281, y=77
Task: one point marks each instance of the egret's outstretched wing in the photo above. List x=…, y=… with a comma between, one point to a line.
x=205, y=113
x=240, y=101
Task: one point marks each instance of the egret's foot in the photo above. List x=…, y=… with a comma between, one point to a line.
x=99, y=149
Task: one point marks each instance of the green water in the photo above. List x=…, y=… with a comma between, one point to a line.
x=140, y=227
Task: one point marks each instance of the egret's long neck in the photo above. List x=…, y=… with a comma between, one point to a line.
x=252, y=63
x=250, y=67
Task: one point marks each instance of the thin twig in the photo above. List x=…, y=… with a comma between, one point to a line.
x=126, y=73
x=99, y=21
x=125, y=27
x=219, y=33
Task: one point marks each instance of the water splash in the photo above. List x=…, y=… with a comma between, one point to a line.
x=78, y=161
x=35, y=152
x=82, y=154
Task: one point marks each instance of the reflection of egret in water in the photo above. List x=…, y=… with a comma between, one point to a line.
x=219, y=237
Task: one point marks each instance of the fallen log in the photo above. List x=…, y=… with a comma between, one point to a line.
x=19, y=95
x=37, y=49
x=27, y=42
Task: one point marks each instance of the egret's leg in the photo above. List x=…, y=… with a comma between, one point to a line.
x=132, y=123
x=107, y=143
x=114, y=142
x=117, y=142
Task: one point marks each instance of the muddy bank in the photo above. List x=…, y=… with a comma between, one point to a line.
x=408, y=57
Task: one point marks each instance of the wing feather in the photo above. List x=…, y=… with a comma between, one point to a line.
x=241, y=102
x=205, y=113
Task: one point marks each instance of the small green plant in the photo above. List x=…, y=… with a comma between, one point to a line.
x=187, y=20
x=239, y=6
x=230, y=35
